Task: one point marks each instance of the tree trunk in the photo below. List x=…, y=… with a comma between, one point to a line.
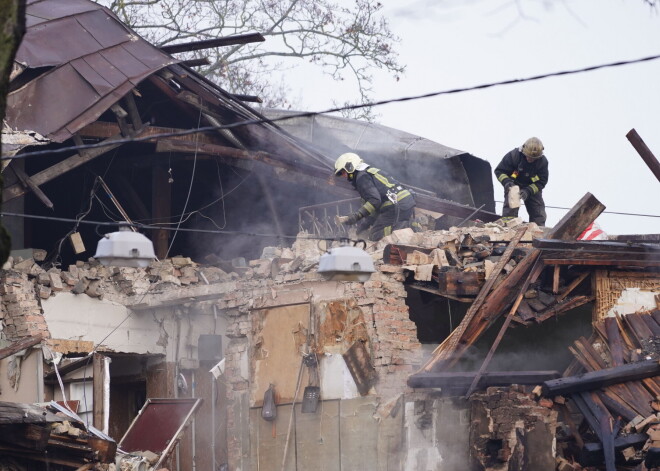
x=12, y=28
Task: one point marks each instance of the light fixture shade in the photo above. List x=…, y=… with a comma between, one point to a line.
x=346, y=263
x=125, y=249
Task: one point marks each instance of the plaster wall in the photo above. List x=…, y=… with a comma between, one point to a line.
x=29, y=385
x=76, y=317
x=117, y=329
x=634, y=300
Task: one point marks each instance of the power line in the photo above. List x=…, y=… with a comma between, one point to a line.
x=332, y=110
x=143, y=226
x=604, y=212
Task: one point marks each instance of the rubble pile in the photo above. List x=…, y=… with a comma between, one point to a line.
x=33, y=436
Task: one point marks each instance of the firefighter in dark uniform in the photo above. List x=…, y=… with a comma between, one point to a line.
x=527, y=168
x=386, y=203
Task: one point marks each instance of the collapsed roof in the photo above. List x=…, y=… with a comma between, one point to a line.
x=83, y=78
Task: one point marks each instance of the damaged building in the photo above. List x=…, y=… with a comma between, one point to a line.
x=477, y=344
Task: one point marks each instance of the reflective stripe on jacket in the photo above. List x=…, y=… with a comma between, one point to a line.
x=515, y=168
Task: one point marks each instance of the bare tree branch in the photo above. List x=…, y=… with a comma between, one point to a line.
x=343, y=41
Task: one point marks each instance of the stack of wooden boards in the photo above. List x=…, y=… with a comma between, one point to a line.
x=615, y=385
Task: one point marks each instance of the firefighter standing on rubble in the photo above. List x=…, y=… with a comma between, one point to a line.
x=527, y=168
x=386, y=203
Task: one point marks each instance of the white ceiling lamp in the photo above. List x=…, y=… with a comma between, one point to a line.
x=125, y=248
x=346, y=263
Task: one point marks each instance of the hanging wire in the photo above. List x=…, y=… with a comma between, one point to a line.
x=332, y=110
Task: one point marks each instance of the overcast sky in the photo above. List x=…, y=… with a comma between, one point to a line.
x=581, y=119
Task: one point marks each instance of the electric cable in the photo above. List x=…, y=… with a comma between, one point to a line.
x=334, y=109
x=620, y=213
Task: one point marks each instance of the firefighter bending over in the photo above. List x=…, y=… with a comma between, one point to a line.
x=387, y=205
x=527, y=168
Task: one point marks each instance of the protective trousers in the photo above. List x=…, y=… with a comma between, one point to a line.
x=535, y=208
x=390, y=218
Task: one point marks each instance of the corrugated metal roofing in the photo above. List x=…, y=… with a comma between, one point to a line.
x=78, y=39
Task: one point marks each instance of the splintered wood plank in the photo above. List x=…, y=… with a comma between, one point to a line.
x=317, y=437
x=565, y=306
x=448, y=347
x=555, y=279
x=617, y=405
x=358, y=432
x=651, y=324
x=574, y=284
x=614, y=341
x=577, y=219
x=636, y=328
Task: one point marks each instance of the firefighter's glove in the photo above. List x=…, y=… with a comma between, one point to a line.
x=508, y=185
x=525, y=193
x=346, y=220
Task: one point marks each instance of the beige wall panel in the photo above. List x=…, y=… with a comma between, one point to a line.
x=279, y=339
x=317, y=437
x=28, y=383
x=358, y=434
x=269, y=439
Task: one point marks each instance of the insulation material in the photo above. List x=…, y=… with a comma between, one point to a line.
x=640, y=290
x=341, y=323
x=280, y=335
x=513, y=196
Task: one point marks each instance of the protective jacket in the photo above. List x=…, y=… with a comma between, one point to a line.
x=379, y=191
x=515, y=168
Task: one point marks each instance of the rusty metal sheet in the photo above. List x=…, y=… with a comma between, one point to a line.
x=96, y=61
x=41, y=108
x=106, y=29
x=49, y=10
x=158, y=425
x=97, y=81
x=111, y=73
x=125, y=61
x=358, y=361
x=54, y=43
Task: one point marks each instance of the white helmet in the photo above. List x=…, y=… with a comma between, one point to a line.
x=532, y=148
x=349, y=162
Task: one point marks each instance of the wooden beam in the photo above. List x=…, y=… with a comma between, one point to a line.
x=447, y=348
x=161, y=204
x=20, y=345
x=601, y=378
x=216, y=42
x=534, y=274
x=133, y=112
x=98, y=386
x=555, y=280
x=577, y=219
x=472, y=327
x=574, y=284
x=28, y=183
x=196, y=62
x=461, y=380
x=64, y=166
x=644, y=152
x=562, y=306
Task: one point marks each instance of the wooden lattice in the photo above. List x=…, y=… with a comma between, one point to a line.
x=610, y=284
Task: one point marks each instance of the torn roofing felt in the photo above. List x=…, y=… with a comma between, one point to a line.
x=89, y=60
x=450, y=173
